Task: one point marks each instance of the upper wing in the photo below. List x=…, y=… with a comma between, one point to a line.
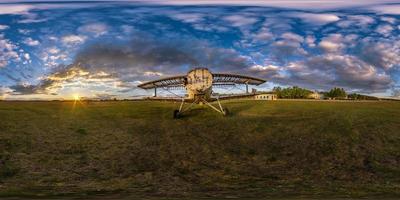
x=175, y=81
x=218, y=79
x=236, y=79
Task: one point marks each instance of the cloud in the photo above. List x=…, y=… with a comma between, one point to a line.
x=296, y=4
x=210, y=27
x=279, y=44
x=332, y=43
x=53, y=50
x=14, y=9
x=27, y=56
x=383, y=55
x=60, y=78
x=240, y=20
x=24, y=7
x=96, y=29
x=396, y=93
x=325, y=71
x=150, y=73
x=288, y=46
x=3, y=27
x=387, y=9
x=310, y=40
x=356, y=20
x=390, y=20
x=8, y=51
x=316, y=18
x=73, y=39
x=4, y=91
x=31, y=18
x=23, y=89
x=384, y=30
x=188, y=17
x=292, y=37
x=104, y=96
x=30, y=42
x=141, y=59
x=329, y=46
x=262, y=35
x=266, y=71
x=153, y=54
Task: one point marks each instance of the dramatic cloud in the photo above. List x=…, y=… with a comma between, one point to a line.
x=104, y=49
x=137, y=60
x=323, y=72
x=151, y=54
x=4, y=92
x=381, y=54
x=61, y=77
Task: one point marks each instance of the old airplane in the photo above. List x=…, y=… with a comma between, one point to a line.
x=198, y=83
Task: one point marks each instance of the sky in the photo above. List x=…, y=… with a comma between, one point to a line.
x=60, y=49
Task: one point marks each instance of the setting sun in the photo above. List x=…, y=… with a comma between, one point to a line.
x=76, y=97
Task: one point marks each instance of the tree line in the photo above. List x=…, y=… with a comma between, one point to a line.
x=296, y=92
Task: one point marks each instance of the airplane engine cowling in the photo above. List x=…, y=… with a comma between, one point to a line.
x=199, y=82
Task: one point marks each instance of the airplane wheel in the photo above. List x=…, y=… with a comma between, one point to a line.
x=226, y=112
x=176, y=114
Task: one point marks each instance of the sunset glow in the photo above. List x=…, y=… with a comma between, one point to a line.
x=76, y=97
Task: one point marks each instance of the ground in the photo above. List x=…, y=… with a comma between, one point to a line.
x=263, y=149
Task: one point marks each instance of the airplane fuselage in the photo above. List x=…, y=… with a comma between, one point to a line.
x=199, y=83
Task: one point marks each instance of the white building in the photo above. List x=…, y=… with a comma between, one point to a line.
x=316, y=95
x=266, y=96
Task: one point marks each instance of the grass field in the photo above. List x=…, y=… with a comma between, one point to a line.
x=263, y=149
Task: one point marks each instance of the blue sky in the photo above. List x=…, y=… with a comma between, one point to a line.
x=57, y=49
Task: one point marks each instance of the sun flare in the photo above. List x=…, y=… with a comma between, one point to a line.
x=76, y=97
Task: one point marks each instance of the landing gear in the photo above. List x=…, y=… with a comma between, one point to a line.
x=176, y=114
x=226, y=112
x=200, y=100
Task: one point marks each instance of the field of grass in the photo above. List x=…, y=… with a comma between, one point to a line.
x=263, y=149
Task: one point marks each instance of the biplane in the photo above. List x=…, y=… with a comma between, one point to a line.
x=198, y=84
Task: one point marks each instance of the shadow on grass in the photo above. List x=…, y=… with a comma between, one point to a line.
x=197, y=111
x=204, y=111
x=236, y=109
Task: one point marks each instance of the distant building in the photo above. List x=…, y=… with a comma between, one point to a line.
x=266, y=96
x=316, y=95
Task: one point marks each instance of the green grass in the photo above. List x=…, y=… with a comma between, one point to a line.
x=263, y=149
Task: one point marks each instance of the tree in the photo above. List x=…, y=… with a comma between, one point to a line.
x=292, y=92
x=337, y=93
x=356, y=96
